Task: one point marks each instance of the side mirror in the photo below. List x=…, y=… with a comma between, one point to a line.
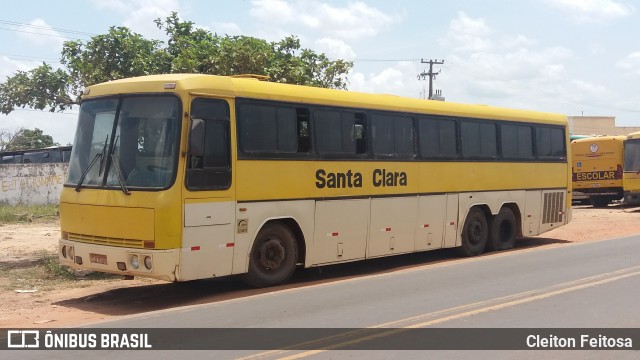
x=196, y=137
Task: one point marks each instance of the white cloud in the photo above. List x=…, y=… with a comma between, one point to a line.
x=592, y=10
x=9, y=66
x=226, y=28
x=587, y=90
x=42, y=34
x=517, y=41
x=335, y=48
x=490, y=66
x=140, y=14
x=397, y=80
x=468, y=34
x=272, y=11
x=631, y=63
x=484, y=63
x=354, y=21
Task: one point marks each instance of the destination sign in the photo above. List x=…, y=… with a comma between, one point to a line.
x=596, y=175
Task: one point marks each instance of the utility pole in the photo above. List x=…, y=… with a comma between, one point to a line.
x=430, y=74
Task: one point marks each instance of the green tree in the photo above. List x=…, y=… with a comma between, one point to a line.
x=121, y=53
x=118, y=54
x=38, y=88
x=199, y=51
x=25, y=139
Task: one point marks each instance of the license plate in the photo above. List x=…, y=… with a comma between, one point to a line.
x=98, y=259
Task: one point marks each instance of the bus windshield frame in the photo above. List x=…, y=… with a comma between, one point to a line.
x=127, y=142
x=632, y=155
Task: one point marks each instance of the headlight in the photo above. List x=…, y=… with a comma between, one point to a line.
x=148, y=263
x=64, y=251
x=135, y=262
x=72, y=254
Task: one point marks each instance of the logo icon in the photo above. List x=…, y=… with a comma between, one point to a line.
x=593, y=148
x=579, y=164
x=23, y=339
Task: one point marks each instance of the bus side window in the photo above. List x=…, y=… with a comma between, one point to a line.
x=392, y=136
x=516, y=142
x=550, y=143
x=304, y=138
x=359, y=133
x=478, y=140
x=210, y=168
x=437, y=138
x=337, y=133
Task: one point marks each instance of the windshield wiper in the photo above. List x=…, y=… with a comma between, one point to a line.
x=115, y=162
x=93, y=162
x=102, y=156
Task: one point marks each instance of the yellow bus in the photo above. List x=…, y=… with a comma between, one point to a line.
x=183, y=177
x=597, y=169
x=631, y=174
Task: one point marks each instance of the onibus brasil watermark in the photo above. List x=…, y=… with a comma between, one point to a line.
x=581, y=341
x=40, y=339
x=321, y=338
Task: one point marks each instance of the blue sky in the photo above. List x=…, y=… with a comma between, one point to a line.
x=568, y=56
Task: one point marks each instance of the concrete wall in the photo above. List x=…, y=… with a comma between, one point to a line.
x=32, y=183
x=598, y=125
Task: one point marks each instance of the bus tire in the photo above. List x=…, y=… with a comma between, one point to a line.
x=599, y=201
x=474, y=233
x=503, y=231
x=273, y=256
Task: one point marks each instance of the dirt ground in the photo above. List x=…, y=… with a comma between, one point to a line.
x=85, y=301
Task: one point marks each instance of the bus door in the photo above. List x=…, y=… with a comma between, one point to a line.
x=209, y=207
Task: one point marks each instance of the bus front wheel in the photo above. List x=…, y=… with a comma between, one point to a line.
x=273, y=256
x=503, y=231
x=474, y=233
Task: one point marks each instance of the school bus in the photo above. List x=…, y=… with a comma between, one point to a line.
x=631, y=176
x=183, y=177
x=597, y=169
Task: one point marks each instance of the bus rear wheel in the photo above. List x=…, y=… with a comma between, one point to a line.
x=503, y=231
x=599, y=201
x=474, y=233
x=273, y=256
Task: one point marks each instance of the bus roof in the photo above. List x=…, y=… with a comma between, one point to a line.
x=227, y=86
x=576, y=137
x=593, y=139
x=634, y=135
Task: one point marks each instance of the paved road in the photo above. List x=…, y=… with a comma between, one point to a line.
x=588, y=285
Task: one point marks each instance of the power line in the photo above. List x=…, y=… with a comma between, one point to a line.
x=30, y=58
x=42, y=27
x=37, y=33
x=383, y=60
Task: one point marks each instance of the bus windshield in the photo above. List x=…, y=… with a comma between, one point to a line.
x=632, y=155
x=128, y=142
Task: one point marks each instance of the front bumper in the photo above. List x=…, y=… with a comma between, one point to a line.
x=118, y=260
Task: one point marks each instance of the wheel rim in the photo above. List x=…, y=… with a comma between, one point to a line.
x=271, y=254
x=476, y=232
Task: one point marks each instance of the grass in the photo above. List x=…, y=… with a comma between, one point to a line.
x=39, y=271
x=45, y=273
x=28, y=213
